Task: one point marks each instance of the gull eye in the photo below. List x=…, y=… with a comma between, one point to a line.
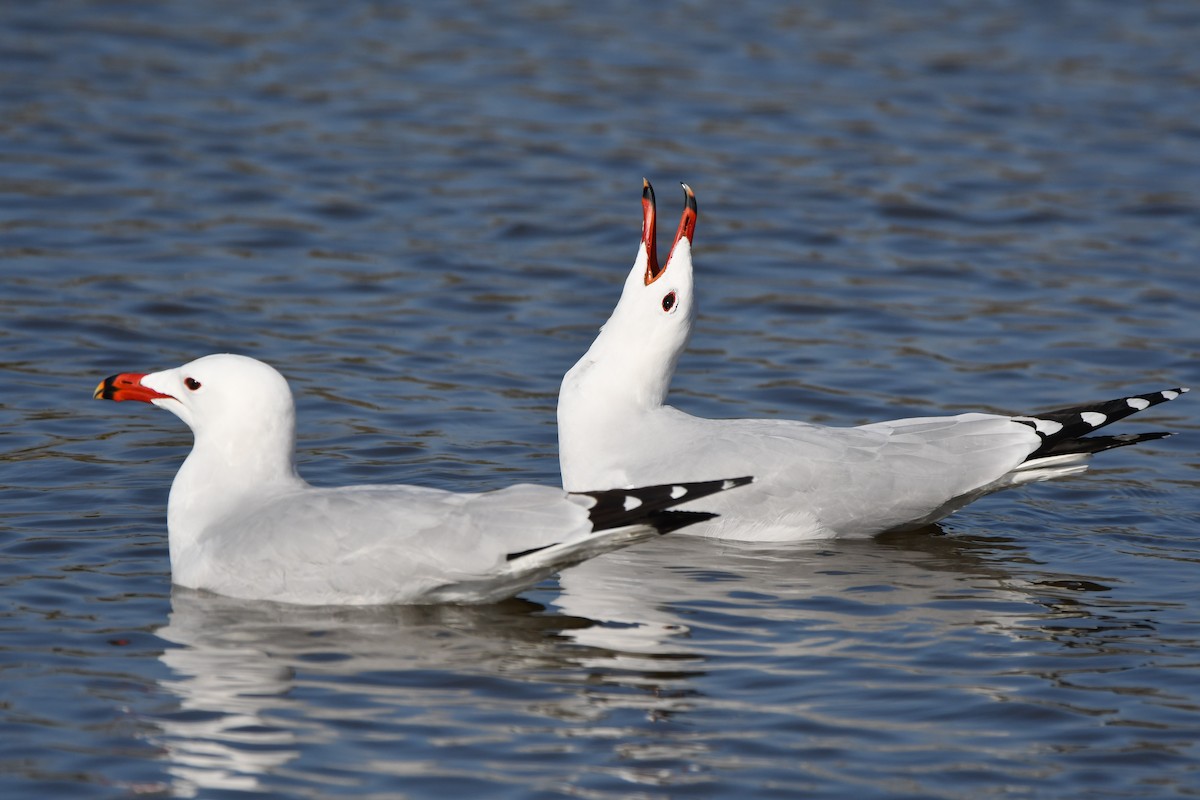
x=191, y=383
x=668, y=302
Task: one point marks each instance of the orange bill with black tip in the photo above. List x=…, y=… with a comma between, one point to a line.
x=126, y=386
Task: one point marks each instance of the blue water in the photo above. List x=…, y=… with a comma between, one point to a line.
x=421, y=216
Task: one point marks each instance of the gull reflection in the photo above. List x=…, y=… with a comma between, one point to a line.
x=661, y=630
x=257, y=682
x=690, y=595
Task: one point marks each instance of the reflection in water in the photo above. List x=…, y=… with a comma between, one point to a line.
x=256, y=681
x=852, y=640
x=648, y=648
x=653, y=599
x=638, y=596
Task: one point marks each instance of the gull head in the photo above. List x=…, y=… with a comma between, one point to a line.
x=638, y=347
x=226, y=396
x=654, y=292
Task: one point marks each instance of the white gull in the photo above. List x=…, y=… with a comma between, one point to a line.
x=242, y=522
x=811, y=481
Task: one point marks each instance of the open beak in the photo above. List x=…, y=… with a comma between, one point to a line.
x=126, y=386
x=649, y=234
x=687, y=229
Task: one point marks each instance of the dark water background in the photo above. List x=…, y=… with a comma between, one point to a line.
x=422, y=214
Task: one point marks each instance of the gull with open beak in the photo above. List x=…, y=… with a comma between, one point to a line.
x=811, y=481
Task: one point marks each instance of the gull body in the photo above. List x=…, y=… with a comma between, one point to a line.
x=811, y=481
x=242, y=522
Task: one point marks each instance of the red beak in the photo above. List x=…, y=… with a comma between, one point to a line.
x=649, y=234
x=126, y=386
x=687, y=228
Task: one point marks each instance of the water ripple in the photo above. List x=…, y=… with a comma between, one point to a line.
x=423, y=214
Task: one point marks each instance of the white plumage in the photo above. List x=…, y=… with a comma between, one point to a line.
x=242, y=522
x=811, y=481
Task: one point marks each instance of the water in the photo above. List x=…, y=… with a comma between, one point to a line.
x=422, y=215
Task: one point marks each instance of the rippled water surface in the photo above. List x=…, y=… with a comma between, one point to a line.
x=421, y=216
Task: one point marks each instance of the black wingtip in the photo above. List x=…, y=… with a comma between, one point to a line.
x=670, y=521
x=1098, y=444
x=1066, y=430
x=647, y=190
x=615, y=508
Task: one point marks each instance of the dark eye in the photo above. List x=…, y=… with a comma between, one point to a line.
x=668, y=301
x=191, y=383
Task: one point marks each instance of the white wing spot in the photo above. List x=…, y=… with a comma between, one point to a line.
x=1169, y=395
x=678, y=492
x=631, y=502
x=1094, y=418
x=1137, y=403
x=727, y=485
x=1046, y=427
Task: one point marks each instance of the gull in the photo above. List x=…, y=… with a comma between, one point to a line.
x=811, y=481
x=242, y=522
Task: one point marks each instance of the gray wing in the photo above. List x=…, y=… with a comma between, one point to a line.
x=840, y=480
x=372, y=544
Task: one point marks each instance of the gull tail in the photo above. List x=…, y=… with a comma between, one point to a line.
x=1065, y=448
x=646, y=505
x=620, y=517
x=1066, y=445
